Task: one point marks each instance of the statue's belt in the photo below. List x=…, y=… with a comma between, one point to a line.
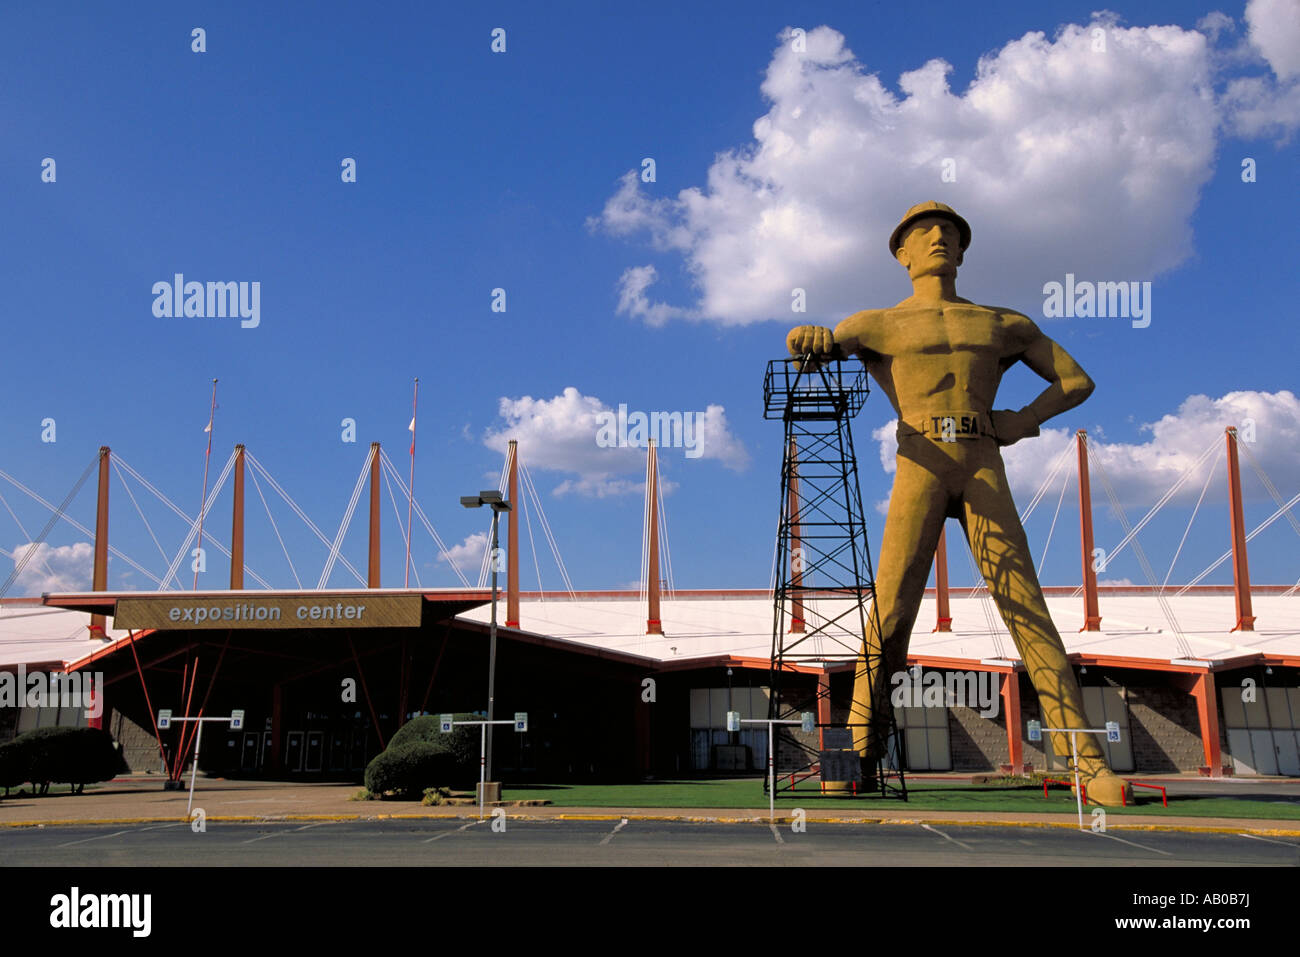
x=947, y=426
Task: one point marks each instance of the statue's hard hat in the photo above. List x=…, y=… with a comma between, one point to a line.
x=920, y=211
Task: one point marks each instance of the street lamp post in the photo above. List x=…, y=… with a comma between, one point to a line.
x=498, y=504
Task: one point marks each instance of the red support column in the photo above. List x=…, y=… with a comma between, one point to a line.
x=1207, y=711
x=512, y=541
x=372, y=576
x=796, y=546
x=944, y=616
x=1240, y=571
x=96, y=701
x=99, y=574
x=653, y=625
x=1091, y=608
x=237, y=525
x=1011, y=709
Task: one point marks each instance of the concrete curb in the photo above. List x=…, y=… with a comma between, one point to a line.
x=1248, y=826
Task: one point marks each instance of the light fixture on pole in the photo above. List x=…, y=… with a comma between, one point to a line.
x=498, y=504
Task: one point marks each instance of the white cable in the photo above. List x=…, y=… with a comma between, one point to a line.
x=443, y=551
x=1065, y=482
x=1179, y=550
x=1228, y=554
x=1277, y=498
x=149, y=487
x=315, y=530
x=252, y=474
x=27, y=536
x=401, y=526
x=149, y=528
x=546, y=530
x=117, y=553
x=196, y=523
x=1184, y=647
x=347, y=520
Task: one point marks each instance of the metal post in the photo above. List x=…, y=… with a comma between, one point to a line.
x=492, y=645
x=482, y=764
x=198, y=743
x=771, y=776
x=1078, y=791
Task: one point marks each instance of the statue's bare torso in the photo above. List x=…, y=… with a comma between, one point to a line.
x=932, y=358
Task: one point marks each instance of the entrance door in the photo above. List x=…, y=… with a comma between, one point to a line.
x=249, y=752
x=315, y=749
x=293, y=751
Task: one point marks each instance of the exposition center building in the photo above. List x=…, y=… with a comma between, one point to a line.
x=326, y=678
x=622, y=685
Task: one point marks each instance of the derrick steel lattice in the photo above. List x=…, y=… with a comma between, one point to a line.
x=824, y=590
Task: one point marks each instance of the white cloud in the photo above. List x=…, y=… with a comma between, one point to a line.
x=61, y=568
x=560, y=435
x=1142, y=472
x=468, y=555
x=1067, y=160
x=1274, y=28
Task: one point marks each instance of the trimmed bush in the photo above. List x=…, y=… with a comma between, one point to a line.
x=409, y=769
x=74, y=756
x=15, y=762
x=420, y=757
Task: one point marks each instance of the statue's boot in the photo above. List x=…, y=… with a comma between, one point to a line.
x=1102, y=785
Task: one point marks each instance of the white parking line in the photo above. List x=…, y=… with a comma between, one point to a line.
x=280, y=833
x=1256, y=837
x=776, y=834
x=98, y=837
x=946, y=837
x=438, y=837
x=1154, y=850
x=161, y=826
x=610, y=836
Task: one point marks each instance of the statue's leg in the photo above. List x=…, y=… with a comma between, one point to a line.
x=917, y=506
x=998, y=542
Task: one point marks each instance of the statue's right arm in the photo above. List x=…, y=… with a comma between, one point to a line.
x=852, y=336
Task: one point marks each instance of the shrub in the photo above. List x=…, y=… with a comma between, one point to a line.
x=408, y=769
x=74, y=756
x=15, y=762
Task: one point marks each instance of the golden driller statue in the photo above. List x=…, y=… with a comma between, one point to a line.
x=939, y=359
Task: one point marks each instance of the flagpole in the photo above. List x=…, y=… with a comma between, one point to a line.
x=203, y=502
x=410, y=489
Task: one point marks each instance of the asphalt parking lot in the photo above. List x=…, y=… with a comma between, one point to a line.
x=529, y=842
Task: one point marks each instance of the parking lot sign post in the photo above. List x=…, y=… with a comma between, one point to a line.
x=165, y=720
x=1111, y=731
x=520, y=722
x=807, y=722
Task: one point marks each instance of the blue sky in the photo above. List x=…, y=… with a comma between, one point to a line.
x=479, y=170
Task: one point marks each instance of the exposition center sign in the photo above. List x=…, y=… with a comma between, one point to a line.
x=298, y=611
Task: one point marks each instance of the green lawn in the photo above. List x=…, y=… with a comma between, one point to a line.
x=927, y=796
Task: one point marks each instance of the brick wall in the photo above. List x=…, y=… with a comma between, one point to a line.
x=1165, y=728
x=139, y=746
x=977, y=743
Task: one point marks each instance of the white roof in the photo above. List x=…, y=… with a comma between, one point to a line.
x=31, y=634
x=1133, y=626
x=740, y=625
